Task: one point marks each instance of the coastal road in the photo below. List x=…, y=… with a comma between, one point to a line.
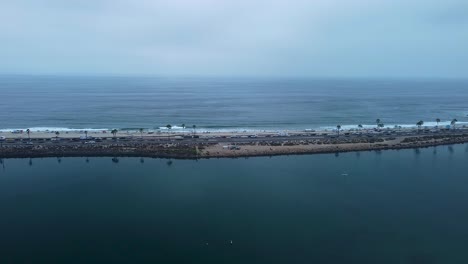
x=228, y=140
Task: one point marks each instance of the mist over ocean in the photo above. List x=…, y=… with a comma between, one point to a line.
x=225, y=103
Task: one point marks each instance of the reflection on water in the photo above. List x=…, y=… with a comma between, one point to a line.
x=450, y=149
x=362, y=207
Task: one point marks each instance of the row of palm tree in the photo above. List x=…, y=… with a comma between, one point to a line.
x=379, y=123
x=420, y=123
x=114, y=131
x=454, y=121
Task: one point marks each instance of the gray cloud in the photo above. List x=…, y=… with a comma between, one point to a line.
x=356, y=38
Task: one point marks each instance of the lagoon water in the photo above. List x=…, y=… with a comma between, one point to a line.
x=55, y=103
x=407, y=206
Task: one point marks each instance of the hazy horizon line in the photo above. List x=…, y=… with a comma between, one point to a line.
x=199, y=76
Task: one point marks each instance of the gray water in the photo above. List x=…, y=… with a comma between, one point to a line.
x=407, y=206
x=50, y=102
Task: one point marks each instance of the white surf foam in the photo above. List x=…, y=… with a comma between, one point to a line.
x=52, y=129
x=179, y=129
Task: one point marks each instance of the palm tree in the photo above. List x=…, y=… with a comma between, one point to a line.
x=86, y=134
x=114, y=132
x=194, y=127
x=168, y=133
x=338, y=127
x=359, y=126
x=57, y=134
x=438, y=121
x=454, y=122
x=378, y=122
x=380, y=125
x=141, y=132
x=28, y=132
x=420, y=123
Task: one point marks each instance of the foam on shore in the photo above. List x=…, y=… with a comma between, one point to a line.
x=53, y=129
x=179, y=129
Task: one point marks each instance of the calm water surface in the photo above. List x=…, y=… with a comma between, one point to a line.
x=407, y=206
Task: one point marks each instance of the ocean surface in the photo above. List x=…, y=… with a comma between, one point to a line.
x=407, y=206
x=60, y=103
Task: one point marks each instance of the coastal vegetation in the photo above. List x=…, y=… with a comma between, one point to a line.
x=379, y=123
x=419, y=124
x=454, y=122
x=235, y=147
x=114, y=132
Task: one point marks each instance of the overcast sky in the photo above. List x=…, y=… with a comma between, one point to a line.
x=321, y=38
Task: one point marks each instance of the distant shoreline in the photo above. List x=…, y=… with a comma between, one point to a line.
x=177, y=129
x=223, y=145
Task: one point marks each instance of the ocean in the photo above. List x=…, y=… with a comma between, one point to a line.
x=225, y=104
x=406, y=206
